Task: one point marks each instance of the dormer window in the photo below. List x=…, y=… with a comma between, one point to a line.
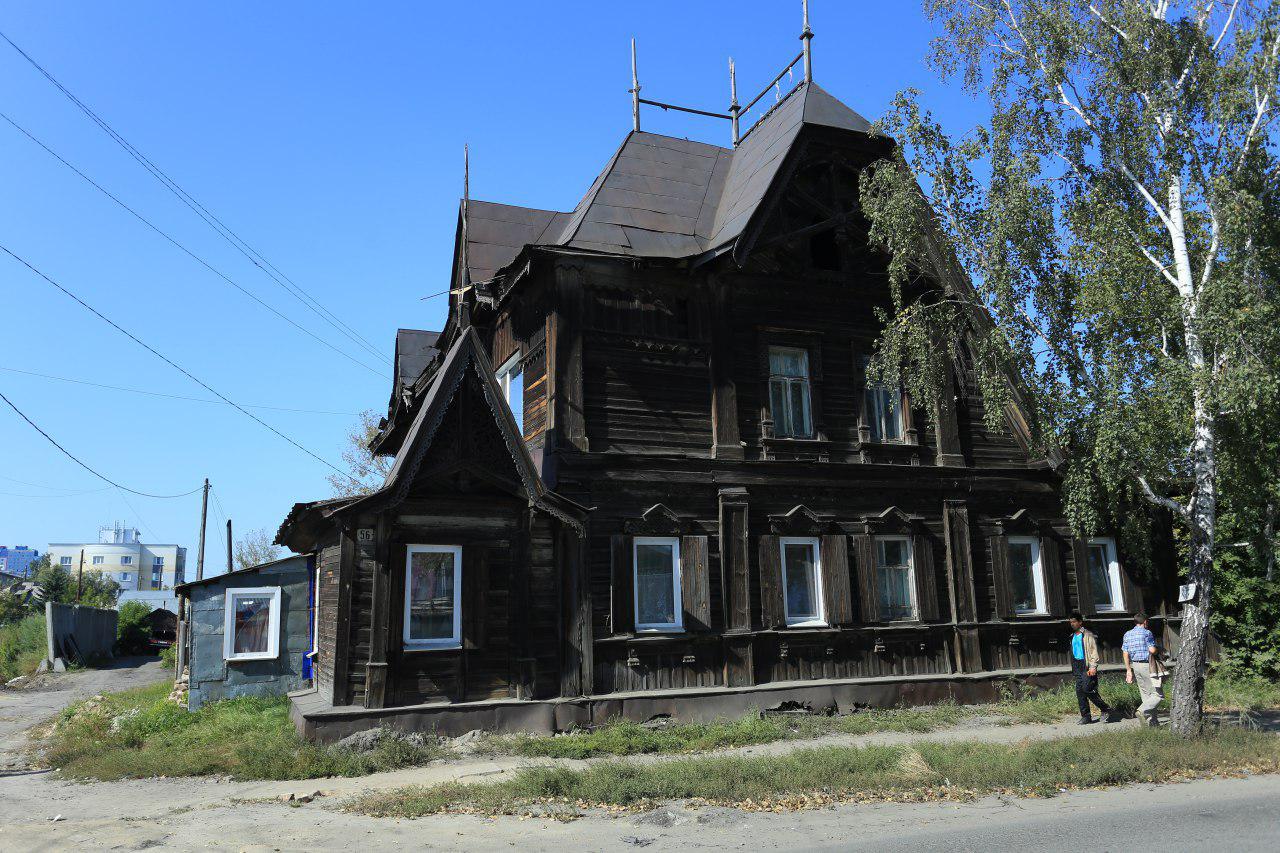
x=789, y=396
x=511, y=380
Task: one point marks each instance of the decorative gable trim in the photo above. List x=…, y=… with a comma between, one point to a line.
x=800, y=520
x=657, y=520
x=1022, y=522
x=892, y=520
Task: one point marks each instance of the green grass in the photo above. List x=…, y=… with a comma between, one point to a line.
x=137, y=733
x=22, y=646
x=822, y=776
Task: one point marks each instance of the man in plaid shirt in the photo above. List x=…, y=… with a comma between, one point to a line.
x=1139, y=646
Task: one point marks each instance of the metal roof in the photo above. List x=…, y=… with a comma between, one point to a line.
x=660, y=196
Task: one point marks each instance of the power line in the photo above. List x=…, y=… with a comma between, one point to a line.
x=52, y=488
x=219, y=273
x=170, y=396
x=169, y=362
x=200, y=210
x=74, y=459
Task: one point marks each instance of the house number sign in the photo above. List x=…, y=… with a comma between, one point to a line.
x=365, y=539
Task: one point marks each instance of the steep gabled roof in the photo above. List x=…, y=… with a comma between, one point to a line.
x=660, y=196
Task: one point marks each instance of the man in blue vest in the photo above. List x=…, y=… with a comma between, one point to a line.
x=1084, y=669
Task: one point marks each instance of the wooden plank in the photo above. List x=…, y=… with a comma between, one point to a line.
x=959, y=556
x=695, y=583
x=735, y=563
x=772, y=607
x=925, y=575
x=342, y=653
x=1084, y=584
x=868, y=602
x=836, y=586
x=1001, y=583
x=1051, y=562
x=623, y=585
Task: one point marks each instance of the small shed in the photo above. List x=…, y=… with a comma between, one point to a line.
x=249, y=632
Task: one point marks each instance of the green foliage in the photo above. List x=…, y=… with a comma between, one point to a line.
x=139, y=733
x=169, y=657
x=818, y=777
x=133, y=628
x=23, y=645
x=60, y=585
x=12, y=608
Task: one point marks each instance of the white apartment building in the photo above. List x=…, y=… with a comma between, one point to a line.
x=121, y=555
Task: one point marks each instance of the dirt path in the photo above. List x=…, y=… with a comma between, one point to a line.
x=47, y=694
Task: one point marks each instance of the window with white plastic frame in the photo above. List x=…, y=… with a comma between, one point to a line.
x=126, y=561
x=790, y=397
x=657, y=583
x=802, y=581
x=98, y=561
x=64, y=561
x=433, y=597
x=895, y=578
x=1026, y=576
x=511, y=380
x=251, y=630
x=1104, y=575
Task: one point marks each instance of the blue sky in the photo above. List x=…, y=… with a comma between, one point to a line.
x=329, y=136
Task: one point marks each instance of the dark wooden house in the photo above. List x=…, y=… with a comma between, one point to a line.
x=641, y=471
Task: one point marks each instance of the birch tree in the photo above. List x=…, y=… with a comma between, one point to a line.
x=1109, y=214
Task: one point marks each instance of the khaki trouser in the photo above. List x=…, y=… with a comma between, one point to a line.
x=1151, y=693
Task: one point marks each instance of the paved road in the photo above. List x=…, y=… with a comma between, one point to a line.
x=23, y=708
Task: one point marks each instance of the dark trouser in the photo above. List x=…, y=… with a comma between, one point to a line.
x=1087, y=689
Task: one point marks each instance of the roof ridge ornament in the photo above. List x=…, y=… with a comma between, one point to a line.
x=635, y=89
x=464, y=310
x=806, y=36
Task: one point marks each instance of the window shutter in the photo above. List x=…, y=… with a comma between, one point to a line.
x=623, y=592
x=926, y=583
x=1130, y=588
x=1000, y=576
x=835, y=580
x=695, y=583
x=1051, y=563
x=1084, y=588
x=867, y=594
x=773, y=612
x=475, y=583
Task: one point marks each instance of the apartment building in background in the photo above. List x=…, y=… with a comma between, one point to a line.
x=17, y=560
x=121, y=554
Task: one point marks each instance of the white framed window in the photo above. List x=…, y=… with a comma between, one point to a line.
x=432, y=597
x=1104, y=575
x=126, y=561
x=895, y=577
x=511, y=380
x=1026, y=576
x=802, y=581
x=315, y=614
x=98, y=561
x=125, y=577
x=657, y=583
x=251, y=624
x=789, y=397
x=64, y=561
x=158, y=562
x=884, y=408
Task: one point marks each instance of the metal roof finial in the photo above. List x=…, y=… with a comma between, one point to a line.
x=806, y=36
x=734, y=108
x=635, y=89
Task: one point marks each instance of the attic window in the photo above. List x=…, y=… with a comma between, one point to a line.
x=824, y=254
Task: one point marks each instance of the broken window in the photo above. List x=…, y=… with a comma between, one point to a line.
x=432, y=611
x=789, y=397
x=251, y=630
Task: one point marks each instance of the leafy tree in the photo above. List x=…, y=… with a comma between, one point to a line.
x=366, y=471
x=133, y=628
x=60, y=585
x=1112, y=213
x=12, y=608
x=254, y=548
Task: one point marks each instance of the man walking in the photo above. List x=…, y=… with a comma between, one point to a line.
x=1084, y=667
x=1140, y=648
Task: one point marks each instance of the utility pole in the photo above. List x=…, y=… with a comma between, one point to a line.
x=228, y=546
x=80, y=578
x=204, y=513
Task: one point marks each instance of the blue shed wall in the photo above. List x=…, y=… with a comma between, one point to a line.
x=213, y=677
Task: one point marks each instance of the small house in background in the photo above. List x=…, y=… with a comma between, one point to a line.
x=248, y=632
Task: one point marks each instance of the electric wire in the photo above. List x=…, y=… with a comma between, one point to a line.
x=169, y=362
x=170, y=396
x=86, y=467
x=200, y=210
x=219, y=273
